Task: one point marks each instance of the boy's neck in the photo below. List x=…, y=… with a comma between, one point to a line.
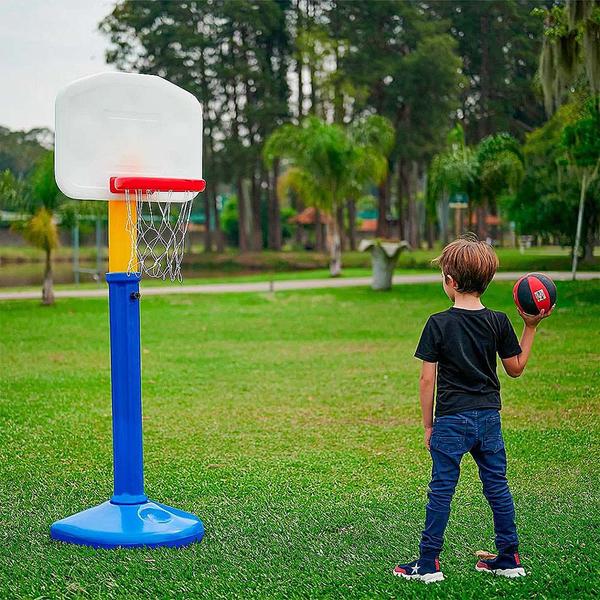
x=467, y=301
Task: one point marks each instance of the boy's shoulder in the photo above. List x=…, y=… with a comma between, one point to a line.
x=450, y=314
x=499, y=315
x=436, y=320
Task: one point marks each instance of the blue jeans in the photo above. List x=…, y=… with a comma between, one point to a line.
x=478, y=432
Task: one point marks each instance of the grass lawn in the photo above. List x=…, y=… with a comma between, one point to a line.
x=290, y=425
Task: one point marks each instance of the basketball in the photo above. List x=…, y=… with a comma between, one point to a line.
x=534, y=292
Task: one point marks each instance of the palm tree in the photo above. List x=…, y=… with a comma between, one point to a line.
x=500, y=169
x=484, y=173
x=451, y=172
x=327, y=164
x=40, y=230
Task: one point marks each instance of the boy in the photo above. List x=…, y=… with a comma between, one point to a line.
x=460, y=344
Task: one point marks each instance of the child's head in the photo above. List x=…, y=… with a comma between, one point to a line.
x=468, y=265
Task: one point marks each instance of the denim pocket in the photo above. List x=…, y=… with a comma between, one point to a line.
x=492, y=438
x=450, y=426
x=449, y=434
x=449, y=444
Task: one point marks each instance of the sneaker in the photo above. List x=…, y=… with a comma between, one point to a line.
x=505, y=565
x=425, y=570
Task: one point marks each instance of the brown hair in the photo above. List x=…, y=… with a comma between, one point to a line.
x=470, y=262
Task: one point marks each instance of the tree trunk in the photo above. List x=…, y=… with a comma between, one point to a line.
x=382, y=210
x=591, y=233
x=481, y=225
x=218, y=234
x=242, y=216
x=352, y=224
x=458, y=222
x=207, y=234
x=492, y=232
x=430, y=233
x=402, y=194
x=414, y=237
x=484, y=77
x=300, y=63
x=444, y=218
x=313, y=90
x=274, y=233
x=320, y=246
x=338, y=96
x=340, y=225
x=584, y=185
x=48, y=286
x=335, y=245
x=256, y=231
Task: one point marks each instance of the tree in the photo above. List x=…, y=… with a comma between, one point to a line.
x=403, y=65
x=20, y=150
x=11, y=190
x=581, y=141
x=233, y=55
x=328, y=163
x=451, y=172
x=547, y=199
x=500, y=170
x=569, y=73
x=483, y=173
x=499, y=43
x=40, y=229
x=570, y=56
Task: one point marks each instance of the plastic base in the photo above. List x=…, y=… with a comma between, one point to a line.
x=146, y=524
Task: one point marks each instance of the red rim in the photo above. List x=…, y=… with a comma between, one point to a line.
x=119, y=185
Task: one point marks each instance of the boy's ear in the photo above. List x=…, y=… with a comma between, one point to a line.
x=450, y=281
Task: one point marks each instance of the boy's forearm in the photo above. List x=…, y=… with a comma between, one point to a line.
x=426, y=389
x=516, y=365
x=526, y=343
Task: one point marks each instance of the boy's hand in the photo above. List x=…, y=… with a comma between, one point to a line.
x=427, y=437
x=534, y=320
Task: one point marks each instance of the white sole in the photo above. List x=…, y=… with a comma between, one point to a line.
x=510, y=573
x=427, y=578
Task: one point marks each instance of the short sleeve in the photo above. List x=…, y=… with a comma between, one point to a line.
x=428, y=348
x=508, y=344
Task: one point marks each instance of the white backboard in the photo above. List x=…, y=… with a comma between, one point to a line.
x=125, y=125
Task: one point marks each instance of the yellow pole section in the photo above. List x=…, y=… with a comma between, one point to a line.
x=119, y=239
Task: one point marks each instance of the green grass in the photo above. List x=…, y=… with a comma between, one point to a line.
x=290, y=425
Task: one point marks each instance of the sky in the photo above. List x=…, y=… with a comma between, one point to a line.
x=44, y=45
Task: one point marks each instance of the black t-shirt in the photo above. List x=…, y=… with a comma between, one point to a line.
x=464, y=344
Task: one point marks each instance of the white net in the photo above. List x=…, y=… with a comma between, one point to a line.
x=157, y=229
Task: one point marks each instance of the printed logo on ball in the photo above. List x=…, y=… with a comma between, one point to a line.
x=539, y=295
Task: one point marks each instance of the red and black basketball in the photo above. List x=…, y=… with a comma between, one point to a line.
x=534, y=292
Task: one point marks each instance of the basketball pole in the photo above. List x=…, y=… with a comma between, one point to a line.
x=120, y=242
x=128, y=519
x=125, y=357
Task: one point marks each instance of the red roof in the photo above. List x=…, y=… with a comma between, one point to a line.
x=489, y=219
x=368, y=226
x=308, y=217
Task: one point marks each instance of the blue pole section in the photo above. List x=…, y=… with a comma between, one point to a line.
x=125, y=360
x=128, y=519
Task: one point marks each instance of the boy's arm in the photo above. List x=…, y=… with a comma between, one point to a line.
x=515, y=365
x=426, y=389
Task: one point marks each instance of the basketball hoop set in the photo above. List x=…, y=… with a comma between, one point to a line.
x=134, y=141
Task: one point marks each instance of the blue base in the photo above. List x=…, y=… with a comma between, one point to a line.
x=111, y=525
